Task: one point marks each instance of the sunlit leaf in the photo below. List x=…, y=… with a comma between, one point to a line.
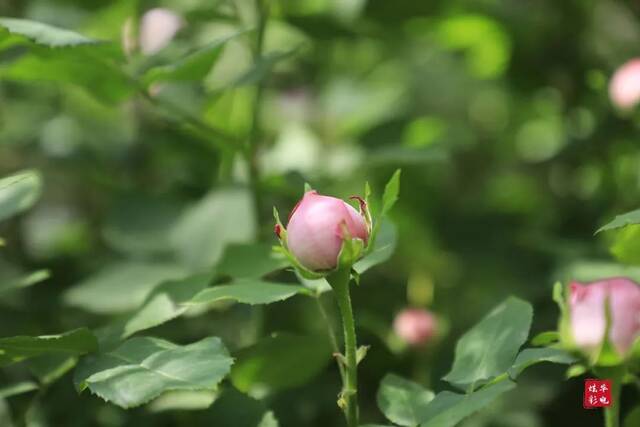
x=142, y=368
x=622, y=220
x=279, y=362
x=121, y=286
x=19, y=192
x=448, y=409
x=626, y=246
x=402, y=401
x=249, y=291
x=43, y=34
x=17, y=349
x=490, y=347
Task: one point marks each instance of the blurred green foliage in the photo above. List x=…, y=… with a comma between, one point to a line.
x=153, y=167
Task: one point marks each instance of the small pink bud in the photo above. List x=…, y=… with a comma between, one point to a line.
x=588, y=316
x=624, y=87
x=157, y=28
x=316, y=227
x=415, y=326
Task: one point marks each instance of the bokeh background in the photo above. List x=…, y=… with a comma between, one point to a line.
x=498, y=113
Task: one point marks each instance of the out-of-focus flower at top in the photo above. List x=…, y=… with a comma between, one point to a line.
x=624, y=87
x=415, y=326
x=157, y=28
x=588, y=315
x=317, y=228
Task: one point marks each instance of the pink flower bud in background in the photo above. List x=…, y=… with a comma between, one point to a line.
x=415, y=326
x=588, y=317
x=157, y=28
x=315, y=230
x=624, y=88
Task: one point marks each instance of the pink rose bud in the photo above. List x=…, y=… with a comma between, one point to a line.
x=157, y=28
x=415, y=326
x=588, y=317
x=317, y=228
x=624, y=88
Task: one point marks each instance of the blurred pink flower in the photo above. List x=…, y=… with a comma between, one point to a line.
x=624, y=88
x=157, y=28
x=315, y=233
x=588, y=320
x=415, y=326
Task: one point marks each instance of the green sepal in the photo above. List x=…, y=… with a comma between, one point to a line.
x=389, y=198
x=575, y=371
x=361, y=353
x=606, y=355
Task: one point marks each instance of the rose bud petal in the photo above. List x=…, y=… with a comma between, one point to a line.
x=415, y=326
x=315, y=230
x=157, y=28
x=588, y=316
x=624, y=88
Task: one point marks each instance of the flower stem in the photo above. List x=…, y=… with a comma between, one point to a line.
x=612, y=412
x=349, y=397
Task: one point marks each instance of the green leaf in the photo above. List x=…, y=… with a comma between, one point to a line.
x=575, y=371
x=490, y=347
x=183, y=400
x=139, y=225
x=532, y=356
x=49, y=368
x=626, y=246
x=193, y=67
x=279, y=362
x=391, y=193
x=263, y=67
x=72, y=343
x=19, y=192
x=402, y=401
x=448, y=409
x=249, y=291
x=633, y=418
x=623, y=220
x=120, y=287
x=166, y=302
x=241, y=260
x=220, y=218
x=236, y=409
x=545, y=338
x=17, y=389
x=61, y=55
x=384, y=246
x=142, y=368
x=24, y=281
x=43, y=34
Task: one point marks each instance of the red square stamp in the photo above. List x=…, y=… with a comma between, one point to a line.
x=597, y=393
